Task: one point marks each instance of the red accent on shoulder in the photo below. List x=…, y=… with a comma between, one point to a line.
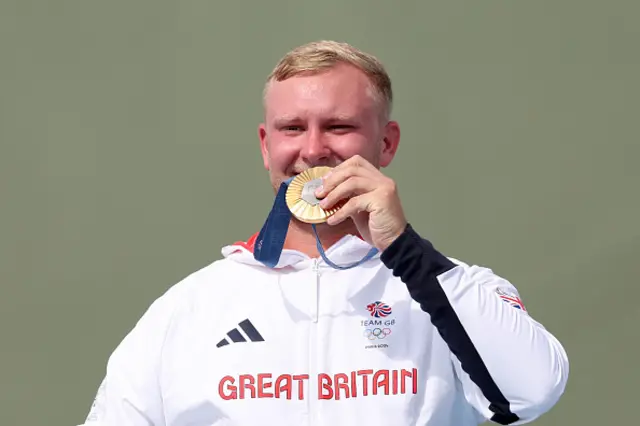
x=249, y=244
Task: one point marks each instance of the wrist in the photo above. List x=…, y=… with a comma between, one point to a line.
x=393, y=237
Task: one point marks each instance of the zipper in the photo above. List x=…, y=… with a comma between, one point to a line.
x=316, y=305
x=313, y=345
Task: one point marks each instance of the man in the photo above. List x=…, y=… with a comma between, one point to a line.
x=359, y=320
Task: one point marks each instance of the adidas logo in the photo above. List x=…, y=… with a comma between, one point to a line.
x=249, y=332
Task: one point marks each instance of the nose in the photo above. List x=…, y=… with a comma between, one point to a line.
x=315, y=150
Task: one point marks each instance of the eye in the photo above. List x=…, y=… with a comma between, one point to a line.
x=341, y=128
x=289, y=129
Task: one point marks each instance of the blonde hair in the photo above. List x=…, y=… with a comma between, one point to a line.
x=321, y=55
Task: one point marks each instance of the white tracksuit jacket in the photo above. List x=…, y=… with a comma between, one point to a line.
x=410, y=337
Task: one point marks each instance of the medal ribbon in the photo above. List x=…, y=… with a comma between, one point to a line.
x=270, y=240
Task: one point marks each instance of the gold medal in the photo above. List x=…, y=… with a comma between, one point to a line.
x=301, y=199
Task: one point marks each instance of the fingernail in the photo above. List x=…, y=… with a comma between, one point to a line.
x=319, y=190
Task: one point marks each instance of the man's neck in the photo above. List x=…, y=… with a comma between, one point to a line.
x=301, y=237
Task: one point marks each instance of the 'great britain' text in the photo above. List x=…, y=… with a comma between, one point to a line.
x=337, y=386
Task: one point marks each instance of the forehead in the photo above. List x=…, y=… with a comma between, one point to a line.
x=342, y=90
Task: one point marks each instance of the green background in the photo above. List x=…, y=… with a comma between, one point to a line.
x=126, y=127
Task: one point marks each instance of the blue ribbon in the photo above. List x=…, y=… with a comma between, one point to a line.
x=270, y=240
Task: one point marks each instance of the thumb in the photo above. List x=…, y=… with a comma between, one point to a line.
x=361, y=221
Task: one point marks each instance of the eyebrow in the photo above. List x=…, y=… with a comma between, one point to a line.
x=290, y=119
x=342, y=117
x=286, y=119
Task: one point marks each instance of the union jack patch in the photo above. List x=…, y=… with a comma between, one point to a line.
x=379, y=309
x=511, y=299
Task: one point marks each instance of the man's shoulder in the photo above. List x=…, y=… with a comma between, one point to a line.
x=474, y=269
x=184, y=296
x=487, y=277
x=211, y=275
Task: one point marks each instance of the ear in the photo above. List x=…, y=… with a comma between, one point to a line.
x=389, y=145
x=262, y=135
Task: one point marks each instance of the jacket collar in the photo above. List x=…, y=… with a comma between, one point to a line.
x=350, y=248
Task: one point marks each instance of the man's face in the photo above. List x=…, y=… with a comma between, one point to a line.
x=322, y=120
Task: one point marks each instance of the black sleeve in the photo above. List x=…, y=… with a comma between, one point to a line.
x=510, y=360
x=417, y=263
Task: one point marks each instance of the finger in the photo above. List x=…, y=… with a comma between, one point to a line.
x=355, y=205
x=349, y=188
x=360, y=162
x=362, y=223
x=339, y=175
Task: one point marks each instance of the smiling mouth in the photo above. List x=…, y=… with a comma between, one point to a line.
x=297, y=171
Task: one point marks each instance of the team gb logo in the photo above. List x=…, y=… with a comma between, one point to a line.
x=379, y=309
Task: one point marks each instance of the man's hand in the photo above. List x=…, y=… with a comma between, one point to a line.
x=373, y=201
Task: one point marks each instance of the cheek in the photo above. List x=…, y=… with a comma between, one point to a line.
x=282, y=154
x=347, y=147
